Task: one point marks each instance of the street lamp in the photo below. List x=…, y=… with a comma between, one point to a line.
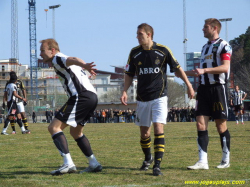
x=226, y=20
x=53, y=19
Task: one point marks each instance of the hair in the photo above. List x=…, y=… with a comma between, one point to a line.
x=52, y=43
x=214, y=22
x=147, y=28
x=12, y=73
x=13, y=78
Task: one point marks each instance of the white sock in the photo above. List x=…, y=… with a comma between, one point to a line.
x=67, y=159
x=4, y=129
x=92, y=161
x=22, y=128
x=225, y=151
x=202, y=155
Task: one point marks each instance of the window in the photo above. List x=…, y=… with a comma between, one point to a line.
x=190, y=68
x=104, y=81
x=190, y=62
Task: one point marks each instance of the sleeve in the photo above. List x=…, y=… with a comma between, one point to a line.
x=22, y=87
x=171, y=61
x=226, y=52
x=60, y=59
x=130, y=67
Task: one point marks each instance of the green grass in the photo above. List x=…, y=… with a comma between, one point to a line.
x=26, y=160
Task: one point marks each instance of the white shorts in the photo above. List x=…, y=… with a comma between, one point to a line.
x=20, y=107
x=155, y=111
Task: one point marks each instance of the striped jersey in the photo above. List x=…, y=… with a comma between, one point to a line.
x=211, y=56
x=237, y=97
x=20, y=87
x=73, y=78
x=150, y=67
x=10, y=88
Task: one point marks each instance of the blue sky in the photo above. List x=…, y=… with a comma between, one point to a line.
x=104, y=31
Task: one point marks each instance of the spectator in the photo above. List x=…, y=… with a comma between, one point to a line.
x=34, y=116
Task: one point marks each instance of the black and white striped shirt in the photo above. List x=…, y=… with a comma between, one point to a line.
x=211, y=57
x=10, y=88
x=73, y=78
x=237, y=97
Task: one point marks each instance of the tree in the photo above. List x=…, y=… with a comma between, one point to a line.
x=176, y=94
x=112, y=95
x=240, y=60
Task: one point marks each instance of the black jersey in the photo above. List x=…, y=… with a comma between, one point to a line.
x=20, y=88
x=150, y=67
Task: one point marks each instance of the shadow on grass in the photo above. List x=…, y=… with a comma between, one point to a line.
x=12, y=175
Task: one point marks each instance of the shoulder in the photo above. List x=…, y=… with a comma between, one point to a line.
x=135, y=49
x=162, y=47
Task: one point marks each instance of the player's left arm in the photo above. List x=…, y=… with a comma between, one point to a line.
x=180, y=73
x=245, y=95
x=79, y=62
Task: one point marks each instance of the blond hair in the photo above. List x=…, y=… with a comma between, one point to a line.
x=52, y=43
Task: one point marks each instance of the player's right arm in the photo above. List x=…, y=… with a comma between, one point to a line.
x=127, y=82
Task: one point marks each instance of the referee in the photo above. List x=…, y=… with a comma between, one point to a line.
x=237, y=97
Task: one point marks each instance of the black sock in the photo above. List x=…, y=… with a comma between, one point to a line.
x=84, y=145
x=225, y=134
x=203, y=140
x=6, y=123
x=12, y=123
x=25, y=123
x=145, y=145
x=159, y=145
x=61, y=143
x=19, y=122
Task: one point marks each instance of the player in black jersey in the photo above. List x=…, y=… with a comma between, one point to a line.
x=211, y=99
x=148, y=62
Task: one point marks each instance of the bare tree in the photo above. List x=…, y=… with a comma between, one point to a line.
x=176, y=94
x=112, y=95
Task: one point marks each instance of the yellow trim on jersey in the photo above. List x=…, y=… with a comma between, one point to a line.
x=168, y=50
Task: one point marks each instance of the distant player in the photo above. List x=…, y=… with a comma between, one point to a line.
x=20, y=104
x=237, y=97
x=11, y=95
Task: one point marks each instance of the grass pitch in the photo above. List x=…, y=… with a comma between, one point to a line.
x=26, y=160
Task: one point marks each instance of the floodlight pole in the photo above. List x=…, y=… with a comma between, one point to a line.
x=226, y=20
x=53, y=19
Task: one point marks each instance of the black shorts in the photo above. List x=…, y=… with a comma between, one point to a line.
x=238, y=108
x=12, y=108
x=212, y=101
x=78, y=109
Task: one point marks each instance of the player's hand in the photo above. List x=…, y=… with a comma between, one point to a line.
x=124, y=98
x=190, y=91
x=24, y=99
x=90, y=68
